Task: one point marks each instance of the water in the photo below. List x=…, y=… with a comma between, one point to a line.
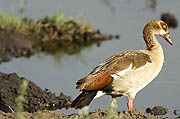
x=124, y=17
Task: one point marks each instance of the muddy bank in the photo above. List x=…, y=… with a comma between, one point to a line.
x=46, y=36
x=35, y=97
x=99, y=114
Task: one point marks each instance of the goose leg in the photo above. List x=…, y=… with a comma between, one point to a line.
x=130, y=104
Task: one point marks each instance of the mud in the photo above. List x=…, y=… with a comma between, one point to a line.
x=35, y=98
x=99, y=114
x=14, y=44
x=157, y=110
x=46, y=36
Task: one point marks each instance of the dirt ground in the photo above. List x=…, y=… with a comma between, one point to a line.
x=99, y=114
x=35, y=97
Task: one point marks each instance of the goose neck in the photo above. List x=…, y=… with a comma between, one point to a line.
x=150, y=40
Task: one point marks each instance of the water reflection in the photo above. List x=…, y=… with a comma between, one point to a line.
x=108, y=3
x=152, y=4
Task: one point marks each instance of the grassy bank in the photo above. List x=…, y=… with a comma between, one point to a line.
x=50, y=34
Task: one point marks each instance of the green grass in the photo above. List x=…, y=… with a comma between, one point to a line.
x=111, y=114
x=20, y=99
x=37, y=115
x=9, y=21
x=58, y=17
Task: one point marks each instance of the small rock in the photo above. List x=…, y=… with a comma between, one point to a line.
x=170, y=19
x=46, y=89
x=157, y=110
x=177, y=112
x=148, y=110
x=5, y=108
x=117, y=36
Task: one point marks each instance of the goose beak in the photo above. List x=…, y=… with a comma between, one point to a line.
x=167, y=38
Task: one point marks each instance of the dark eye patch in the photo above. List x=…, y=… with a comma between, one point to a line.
x=164, y=26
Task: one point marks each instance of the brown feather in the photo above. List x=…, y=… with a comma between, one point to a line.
x=97, y=82
x=121, y=62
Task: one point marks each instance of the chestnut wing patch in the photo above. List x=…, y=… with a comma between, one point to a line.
x=97, y=82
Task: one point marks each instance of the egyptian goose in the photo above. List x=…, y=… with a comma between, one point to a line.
x=125, y=73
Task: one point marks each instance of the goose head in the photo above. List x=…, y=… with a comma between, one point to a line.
x=160, y=28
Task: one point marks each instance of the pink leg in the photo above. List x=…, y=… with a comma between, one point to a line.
x=130, y=104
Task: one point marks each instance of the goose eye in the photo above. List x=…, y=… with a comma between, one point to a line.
x=164, y=27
